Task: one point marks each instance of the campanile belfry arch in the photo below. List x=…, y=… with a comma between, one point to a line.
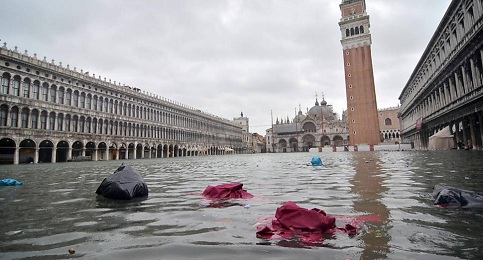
x=359, y=77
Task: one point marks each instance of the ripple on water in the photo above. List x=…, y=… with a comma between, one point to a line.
x=59, y=209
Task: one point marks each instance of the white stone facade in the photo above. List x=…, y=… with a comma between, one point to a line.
x=52, y=113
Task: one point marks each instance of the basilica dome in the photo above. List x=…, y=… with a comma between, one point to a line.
x=321, y=110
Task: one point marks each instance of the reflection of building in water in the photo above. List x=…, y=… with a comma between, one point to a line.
x=320, y=126
x=368, y=186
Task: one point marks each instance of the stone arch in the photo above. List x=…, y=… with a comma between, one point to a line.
x=338, y=140
x=7, y=150
x=27, y=151
x=62, y=151
x=325, y=140
x=308, y=142
x=102, y=151
x=45, y=151
x=309, y=127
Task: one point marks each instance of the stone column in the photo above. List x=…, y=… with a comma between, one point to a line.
x=457, y=85
x=465, y=131
x=117, y=154
x=36, y=159
x=464, y=79
x=15, y=155
x=472, y=132
x=54, y=155
x=69, y=153
x=94, y=154
x=134, y=151
x=474, y=77
x=107, y=153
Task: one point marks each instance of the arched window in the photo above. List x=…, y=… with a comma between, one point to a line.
x=24, y=118
x=34, y=119
x=388, y=121
x=83, y=100
x=357, y=30
x=347, y=32
x=361, y=29
x=75, y=121
x=3, y=115
x=68, y=97
x=60, y=122
x=61, y=95
x=352, y=31
x=67, y=123
x=53, y=94
x=36, y=90
x=26, y=88
x=14, y=117
x=52, y=121
x=16, y=86
x=43, y=120
x=5, y=83
x=45, y=91
x=75, y=98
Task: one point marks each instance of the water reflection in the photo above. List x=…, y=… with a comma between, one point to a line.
x=368, y=186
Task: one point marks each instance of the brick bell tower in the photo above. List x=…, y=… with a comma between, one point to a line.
x=359, y=77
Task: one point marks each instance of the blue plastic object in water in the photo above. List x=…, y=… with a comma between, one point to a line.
x=316, y=161
x=10, y=182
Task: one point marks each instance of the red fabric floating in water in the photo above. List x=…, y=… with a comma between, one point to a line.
x=226, y=191
x=308, y=226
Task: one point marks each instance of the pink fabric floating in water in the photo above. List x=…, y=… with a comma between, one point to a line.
x=308, y=226
x=226, y=191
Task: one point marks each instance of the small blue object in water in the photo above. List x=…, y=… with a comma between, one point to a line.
x=316, y=161
x=10, y=182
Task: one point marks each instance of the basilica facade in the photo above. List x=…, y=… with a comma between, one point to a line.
x=320, y=126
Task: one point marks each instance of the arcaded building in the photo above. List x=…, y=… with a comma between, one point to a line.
x=53, y=113
x=445, y=90
x=356, y=43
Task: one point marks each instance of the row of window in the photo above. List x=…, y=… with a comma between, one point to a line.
x=354, y=31
x=34, y=119
x=66, y=96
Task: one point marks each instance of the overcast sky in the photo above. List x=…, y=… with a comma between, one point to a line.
x=224, y=56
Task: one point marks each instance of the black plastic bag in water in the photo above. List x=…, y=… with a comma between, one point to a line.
x=124, y=184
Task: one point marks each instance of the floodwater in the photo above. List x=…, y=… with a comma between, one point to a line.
x=57, y=209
